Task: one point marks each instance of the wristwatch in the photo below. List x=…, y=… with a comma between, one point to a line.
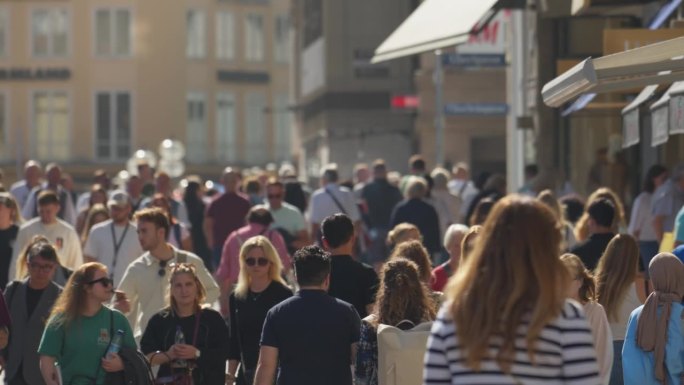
x=197, y=353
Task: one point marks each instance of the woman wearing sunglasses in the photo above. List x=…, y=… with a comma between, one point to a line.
x=190, y=343
x=259, y=288
x=80, y=329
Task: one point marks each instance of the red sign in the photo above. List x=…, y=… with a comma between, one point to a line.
x=405, y=101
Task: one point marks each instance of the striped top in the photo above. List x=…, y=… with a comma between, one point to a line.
x=564, y=354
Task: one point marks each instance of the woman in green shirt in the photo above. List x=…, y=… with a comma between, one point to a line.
x=80, y=329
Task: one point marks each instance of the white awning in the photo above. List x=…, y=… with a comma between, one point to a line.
x=631, y=118
x=660, y=115
x=635, y=68
x=433, y=25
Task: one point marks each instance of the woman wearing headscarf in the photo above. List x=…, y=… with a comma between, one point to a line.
x=653, y=352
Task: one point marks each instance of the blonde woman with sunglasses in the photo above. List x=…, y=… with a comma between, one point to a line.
x=189, y=342
x=260, y=287
x=80, y=329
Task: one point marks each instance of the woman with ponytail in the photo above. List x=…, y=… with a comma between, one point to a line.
x=583, y=290
x=653, y=352
x=402, y=296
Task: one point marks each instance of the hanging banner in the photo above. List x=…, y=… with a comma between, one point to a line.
x=660, y=118
x=630, y=128
x=677, y=108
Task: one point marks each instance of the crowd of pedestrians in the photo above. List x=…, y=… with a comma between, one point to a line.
x=434, y=277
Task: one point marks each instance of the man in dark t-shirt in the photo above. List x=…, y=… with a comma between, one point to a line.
x=350, y=280
x=601, y=213
x=309, y=339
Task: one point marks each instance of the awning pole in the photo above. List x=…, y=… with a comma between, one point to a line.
x=439, y=109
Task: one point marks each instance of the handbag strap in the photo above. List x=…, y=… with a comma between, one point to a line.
x=337, y=202
x=196, y=331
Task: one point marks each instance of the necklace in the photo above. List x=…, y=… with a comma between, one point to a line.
x=254, y=296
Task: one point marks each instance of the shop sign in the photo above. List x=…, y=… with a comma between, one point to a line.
x=34, y=74
x=620, y=40
x=630, y=128
x=476, y=109
x=660, y=119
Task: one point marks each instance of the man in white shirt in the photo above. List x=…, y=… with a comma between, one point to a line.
x=145, y=285
x=114, y=242
x=58, y=232
x=21, y=189
x=53, y=175
x=332, y=199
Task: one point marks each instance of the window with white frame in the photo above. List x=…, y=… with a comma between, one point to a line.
x=226, y=133
x=113, y=32
x=51, y=125
x=254, y=37
x=50, y=32
x=225, y=35
x=196, y=127
x=113, y=125
x=196, y=28
x=255, y=128
x=282, y=126
x=4, y=31
x=281, y=39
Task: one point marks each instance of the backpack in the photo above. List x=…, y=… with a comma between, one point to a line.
x=401, y=353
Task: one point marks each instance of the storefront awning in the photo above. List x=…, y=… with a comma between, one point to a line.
x=631, y=117
x=635, y=68
x=433, y=25
x=660, y=115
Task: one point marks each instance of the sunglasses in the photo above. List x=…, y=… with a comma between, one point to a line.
x=105, y=281
x=257, y=261
x=162, y=268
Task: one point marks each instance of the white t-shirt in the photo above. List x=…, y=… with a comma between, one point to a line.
x=642, y=219
x=60, y=234
x=288, y=218
x=100, y=245
x=629, y=302
x=322, y=204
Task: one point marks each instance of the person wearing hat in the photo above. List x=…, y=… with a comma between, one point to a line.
x=114, y=242
x=58, y=232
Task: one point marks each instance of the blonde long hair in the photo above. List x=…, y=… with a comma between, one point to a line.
x=512, y=271
x=71, y=302
x=586, y=292
x=616, y=272
x=582, y=226
x=274, y=271
x=185, y=268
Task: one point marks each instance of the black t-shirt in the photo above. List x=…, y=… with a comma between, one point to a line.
x=590, y=251
x=32, y=298
x=381, y=198
x=7, y=238
x=247, y=317
x=313, y=333
x=212, y=341
x=353, y=282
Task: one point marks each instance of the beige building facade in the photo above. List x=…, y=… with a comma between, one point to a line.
x=87, y=83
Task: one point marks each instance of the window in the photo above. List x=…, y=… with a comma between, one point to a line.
x=281, y=39
x=50, y=29
x=256, y=130
x=4, y=32
x=254, y=37
x=225, y=36
x=51, y=125
x=226, y=140
x=282, y=126
x=113, y=32
x=196, y=47
x=196, y=125
x=113, y=125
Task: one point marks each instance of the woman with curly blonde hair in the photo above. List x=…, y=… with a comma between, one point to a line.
x=619, y=222
x=260, y=287
x=401, y=297
x=507, y=319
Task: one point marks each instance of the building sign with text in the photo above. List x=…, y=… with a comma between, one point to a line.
x=485, y=49
x=34, y=74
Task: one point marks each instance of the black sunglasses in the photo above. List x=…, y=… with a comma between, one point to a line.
x=162, y=268
x=254, y=261
x=105, y=281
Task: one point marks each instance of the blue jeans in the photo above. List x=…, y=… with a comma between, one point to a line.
x=648, y=250
x=616, y=374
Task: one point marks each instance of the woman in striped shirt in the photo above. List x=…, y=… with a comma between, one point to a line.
x=506, y=319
